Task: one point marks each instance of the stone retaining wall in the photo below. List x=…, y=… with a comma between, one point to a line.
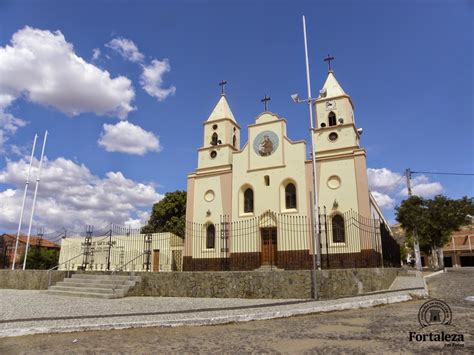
x=29, y=279
x=232, y=284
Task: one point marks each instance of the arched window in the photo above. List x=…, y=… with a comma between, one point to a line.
x=338, y=230
x=234, y=141
x=290, y=196
x=210, y=236
x=332, y=119
x=214, y=139
x=248, y=200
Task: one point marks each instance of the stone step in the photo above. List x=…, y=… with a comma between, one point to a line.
x=95, y=284
x=105, y=277
x=83, y=294
x=85, y=289
x=99, y=281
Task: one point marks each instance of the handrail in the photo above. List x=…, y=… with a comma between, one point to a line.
x=120, y=268
x=57, y=266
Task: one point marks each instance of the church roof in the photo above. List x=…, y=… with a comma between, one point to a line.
x=222, y=110
x=332, y=87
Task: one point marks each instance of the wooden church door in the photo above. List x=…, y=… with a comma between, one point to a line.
x=269, y=246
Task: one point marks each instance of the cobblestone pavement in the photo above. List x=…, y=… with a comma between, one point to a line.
x=383, y=329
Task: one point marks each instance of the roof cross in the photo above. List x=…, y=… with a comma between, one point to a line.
x=328, y=59
x=265, y=101
x=222, y=85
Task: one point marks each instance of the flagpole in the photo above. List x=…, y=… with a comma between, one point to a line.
x=27, y=182
x=315, y=214
x=34, y=200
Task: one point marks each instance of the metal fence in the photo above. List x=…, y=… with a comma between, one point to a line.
x=285, y=241
x=120, y=248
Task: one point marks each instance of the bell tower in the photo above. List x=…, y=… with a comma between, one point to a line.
x=341, y=162
x=221, y=135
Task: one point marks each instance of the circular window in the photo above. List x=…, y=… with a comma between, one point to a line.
x=209, y=195
x=323, y=125
x=213, y=154
x=334, y=182
x=214, y=127
x=333, y=136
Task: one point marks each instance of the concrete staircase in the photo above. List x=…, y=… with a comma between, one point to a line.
x=97, y=286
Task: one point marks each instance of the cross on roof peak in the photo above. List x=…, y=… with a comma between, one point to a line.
x=265, y=101
x=222, y=85
x=328, y=59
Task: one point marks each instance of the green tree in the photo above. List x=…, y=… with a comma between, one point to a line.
x=41, y=258
x=434, y=220
x=168, y=215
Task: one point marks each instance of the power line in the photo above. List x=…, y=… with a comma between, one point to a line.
x=434, y=173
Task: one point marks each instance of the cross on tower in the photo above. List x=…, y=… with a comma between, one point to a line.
x=265, y=101
x=328, y=59
x=222, y=85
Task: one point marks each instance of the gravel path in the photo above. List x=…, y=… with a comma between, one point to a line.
x=372, y=330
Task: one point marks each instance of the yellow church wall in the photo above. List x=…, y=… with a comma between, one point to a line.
x=343, y=110
x=188, y=240
x=255, y=161
x=223, y=157
x=347, y=137
x=211, y=194
x=288, y=167
x=332, y=171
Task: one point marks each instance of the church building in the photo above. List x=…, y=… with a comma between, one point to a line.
x=249, y=206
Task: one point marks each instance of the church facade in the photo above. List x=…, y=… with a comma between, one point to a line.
x=250, y=206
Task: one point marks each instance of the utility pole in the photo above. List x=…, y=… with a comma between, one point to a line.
x=416, y=244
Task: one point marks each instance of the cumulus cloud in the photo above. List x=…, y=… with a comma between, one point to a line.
x=128, y=138
x=421, y=186
x=127, y=49
x=384, y=179
x=388, y=187
x=42, y=67
x=71, y=196
x=383, y=200
x=151, y=79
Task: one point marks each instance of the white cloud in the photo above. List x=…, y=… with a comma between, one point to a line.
x=152, y=79
x=387, y=186
x=71, y=196
x=42, y=67
x=8, y=126
x=127, y=49
x=95, y=53
x=384, y=179
x=128, y=138
x=421, y=186
x=383, y=200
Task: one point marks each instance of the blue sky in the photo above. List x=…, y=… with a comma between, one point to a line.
x=406, y=64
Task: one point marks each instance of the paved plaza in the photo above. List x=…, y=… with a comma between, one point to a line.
x=374, y=330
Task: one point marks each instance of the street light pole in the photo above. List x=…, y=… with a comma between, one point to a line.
x=314, y=198
x=310, y=101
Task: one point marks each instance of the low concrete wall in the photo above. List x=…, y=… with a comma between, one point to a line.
x=232, y=284
x=29, y=279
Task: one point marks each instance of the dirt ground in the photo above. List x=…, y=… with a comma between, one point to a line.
x=383, y=329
